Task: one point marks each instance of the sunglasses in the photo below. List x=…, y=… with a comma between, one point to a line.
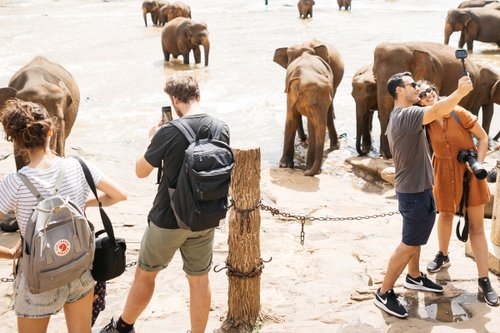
x=413, y=84
x=424, y=93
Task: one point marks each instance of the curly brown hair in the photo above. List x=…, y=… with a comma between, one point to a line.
x=184, y=88
x=26, y=124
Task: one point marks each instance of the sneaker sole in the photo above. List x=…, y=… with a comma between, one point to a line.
x=448, y=264
x=480, y=292
x=382, y=306
x=421, y=288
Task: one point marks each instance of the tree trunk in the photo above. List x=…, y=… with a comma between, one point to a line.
x=244, y=242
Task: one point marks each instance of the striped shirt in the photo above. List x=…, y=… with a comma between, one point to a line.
x=15, y=196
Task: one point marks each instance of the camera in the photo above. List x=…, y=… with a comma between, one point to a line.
x=166, y=114
x=462, y=54
x=470, y=157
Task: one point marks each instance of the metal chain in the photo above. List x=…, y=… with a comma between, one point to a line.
x=231, y=271
x=275, y=211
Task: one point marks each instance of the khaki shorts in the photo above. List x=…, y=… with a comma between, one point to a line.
x=159, y=245
x=28, y=305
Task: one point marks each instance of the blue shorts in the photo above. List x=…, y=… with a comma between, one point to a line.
x=419, y=213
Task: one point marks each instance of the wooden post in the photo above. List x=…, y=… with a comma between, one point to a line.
x=243, y=261
x=495, y=219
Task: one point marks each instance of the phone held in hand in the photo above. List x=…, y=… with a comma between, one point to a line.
x=166, y=114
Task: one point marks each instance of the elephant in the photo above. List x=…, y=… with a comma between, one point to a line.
x=493, y=5
x=305, y=8
x=178, y=9
x=152, y=7
x=285, y=55
x=162, y=15
x=47, y=83
x=311, y=83
x=181, y=35
x=476, y=3
x=364, y=92
x=344, y=3
x=480, y=24
x=430, y=61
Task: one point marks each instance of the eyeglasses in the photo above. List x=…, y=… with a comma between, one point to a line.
x=424, y=93
x=413, y=84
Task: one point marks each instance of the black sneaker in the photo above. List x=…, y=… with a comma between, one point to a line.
x=111, y=328
x=439, y=262
x=422, y=283
x=389, y=303
x=490, y=296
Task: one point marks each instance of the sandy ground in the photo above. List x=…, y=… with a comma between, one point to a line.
x=325, y=285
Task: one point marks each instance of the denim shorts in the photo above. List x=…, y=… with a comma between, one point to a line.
x=50, y=302
x=159, y=245
x=419, y=213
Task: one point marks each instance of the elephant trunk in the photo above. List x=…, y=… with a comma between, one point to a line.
x=448, y=30
x=206, y=48
x=363, y=126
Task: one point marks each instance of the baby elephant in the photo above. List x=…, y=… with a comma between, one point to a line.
x=305, y=8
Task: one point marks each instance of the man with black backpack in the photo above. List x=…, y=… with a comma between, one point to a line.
x=172, y=150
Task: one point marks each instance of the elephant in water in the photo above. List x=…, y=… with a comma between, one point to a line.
x=364, y=92
x=482, y=24
x=47, y=83
x=344, y=3
x=181, y=35
x=305, y=8
x=476, y=3
x=152, y=7
x=310, y=84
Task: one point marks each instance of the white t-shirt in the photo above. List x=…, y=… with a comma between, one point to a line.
x=15, y=196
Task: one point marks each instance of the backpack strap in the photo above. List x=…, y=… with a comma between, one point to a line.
x=104, y=217
x=218, y=129
x=32, y=188
x=186, y=130
x=454, y=115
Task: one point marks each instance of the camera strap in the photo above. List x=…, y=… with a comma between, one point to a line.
x=464, y=201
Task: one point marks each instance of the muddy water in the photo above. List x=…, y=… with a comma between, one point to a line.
x=118, y=63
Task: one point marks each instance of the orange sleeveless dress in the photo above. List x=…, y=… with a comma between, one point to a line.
x=446, y=142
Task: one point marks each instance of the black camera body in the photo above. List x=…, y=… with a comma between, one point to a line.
x=462, y=54
x=470, y=157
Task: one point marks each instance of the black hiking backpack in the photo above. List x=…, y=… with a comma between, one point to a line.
x=200, y=200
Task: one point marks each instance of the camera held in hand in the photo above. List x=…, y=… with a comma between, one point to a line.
x=470, y=157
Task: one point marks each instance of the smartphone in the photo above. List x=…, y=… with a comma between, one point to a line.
x=166, y=114
x=461, y=54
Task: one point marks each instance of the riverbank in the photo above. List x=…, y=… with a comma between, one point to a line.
x=325, y=285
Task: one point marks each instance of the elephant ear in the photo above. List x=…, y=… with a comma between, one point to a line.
x=495, y=93
x=322, y=52
x=423, y=65
x=6, y=94
x=465, y=18
x=281, y=57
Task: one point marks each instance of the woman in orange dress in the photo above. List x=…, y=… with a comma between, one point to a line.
x=448, y=136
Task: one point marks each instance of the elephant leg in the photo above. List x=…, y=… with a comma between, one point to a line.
x=186, y=58
x=292, y=118
x=145, y=21
x=300, y=131
x=461, y=42
x=363, y=129
x=197, y=54
x=332, y=133
x=487, y=117
x=166, y=55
